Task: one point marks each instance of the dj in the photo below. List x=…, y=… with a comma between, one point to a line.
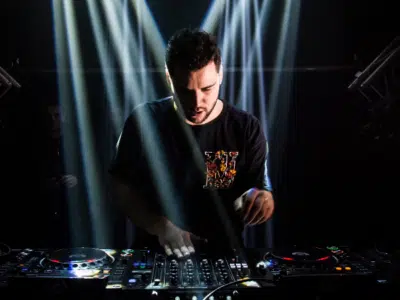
x=213, y=156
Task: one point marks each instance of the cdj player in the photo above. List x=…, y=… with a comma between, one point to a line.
x=253, y=273
x=330, y=261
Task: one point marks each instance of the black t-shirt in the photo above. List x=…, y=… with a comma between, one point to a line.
x=193, y=174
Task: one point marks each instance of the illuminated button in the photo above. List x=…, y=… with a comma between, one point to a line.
x=338, y=268
x=347, y=268
x=332, y=248
x=128, y=251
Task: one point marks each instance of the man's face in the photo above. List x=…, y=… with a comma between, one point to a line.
x=56, y=119
x=197, y=92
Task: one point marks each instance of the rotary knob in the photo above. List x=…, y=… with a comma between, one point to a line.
x=262, y=267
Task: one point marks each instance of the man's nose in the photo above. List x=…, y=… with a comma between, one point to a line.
x=197, y=98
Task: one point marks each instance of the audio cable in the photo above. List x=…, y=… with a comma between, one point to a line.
x=207, y=297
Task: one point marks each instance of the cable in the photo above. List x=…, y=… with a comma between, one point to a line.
x=235, y=282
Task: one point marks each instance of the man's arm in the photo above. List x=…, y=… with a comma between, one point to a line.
x=173, y=239
x=130, y=171
x=257, y=157
x=134, y=206
x=129, y=174
x=257, y=202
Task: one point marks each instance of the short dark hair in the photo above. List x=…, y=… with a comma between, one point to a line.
x=192, y=49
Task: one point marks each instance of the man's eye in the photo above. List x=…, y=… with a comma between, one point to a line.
x=184, y=91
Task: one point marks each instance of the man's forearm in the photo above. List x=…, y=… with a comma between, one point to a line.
x=134, y=206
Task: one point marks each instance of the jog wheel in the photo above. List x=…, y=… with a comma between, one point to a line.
x=77, y=259
x=303, y=256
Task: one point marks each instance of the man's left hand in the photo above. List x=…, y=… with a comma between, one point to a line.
x=258, y=206
x=68, y=181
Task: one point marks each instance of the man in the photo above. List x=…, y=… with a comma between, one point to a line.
x=57, y=179
x=214, y=156
x=56, y=185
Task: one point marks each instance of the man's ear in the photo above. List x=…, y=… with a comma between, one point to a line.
x=169, y=80
x=221, y=74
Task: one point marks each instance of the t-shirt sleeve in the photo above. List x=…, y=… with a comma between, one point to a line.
x=128, y=162
x=132, y=160
x=257, y=156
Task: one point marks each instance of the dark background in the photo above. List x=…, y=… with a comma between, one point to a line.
x=334, y=182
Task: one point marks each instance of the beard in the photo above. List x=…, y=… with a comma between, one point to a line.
x=201, y=116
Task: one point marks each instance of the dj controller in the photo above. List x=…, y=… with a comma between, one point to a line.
x=247, y=274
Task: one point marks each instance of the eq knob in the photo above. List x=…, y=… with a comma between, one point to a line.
x=262, y=267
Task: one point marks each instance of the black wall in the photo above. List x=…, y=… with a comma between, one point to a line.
x=333, y=185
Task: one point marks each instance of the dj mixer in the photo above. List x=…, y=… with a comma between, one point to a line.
x=250, y=273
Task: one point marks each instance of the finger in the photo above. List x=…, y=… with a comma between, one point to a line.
x=71, y=184
x=261, y=217
x=248, y=205
x=256, y=210
x=176, y=248
x=254, y=217
x=168, y=250
x=239, y=202
x=188, y=243
x=268, y=213
x=249, y=198
x=67, y=180
x=185, y=251
x=182, y=245
x=177, y=252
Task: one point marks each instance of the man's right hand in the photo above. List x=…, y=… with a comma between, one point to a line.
x=175, y=240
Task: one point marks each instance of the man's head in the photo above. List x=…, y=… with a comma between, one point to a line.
x=57, y=119
x=194, y=71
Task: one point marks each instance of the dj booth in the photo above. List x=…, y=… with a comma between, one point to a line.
x=315, y=273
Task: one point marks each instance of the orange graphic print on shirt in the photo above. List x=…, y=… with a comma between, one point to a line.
x=221, y=169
